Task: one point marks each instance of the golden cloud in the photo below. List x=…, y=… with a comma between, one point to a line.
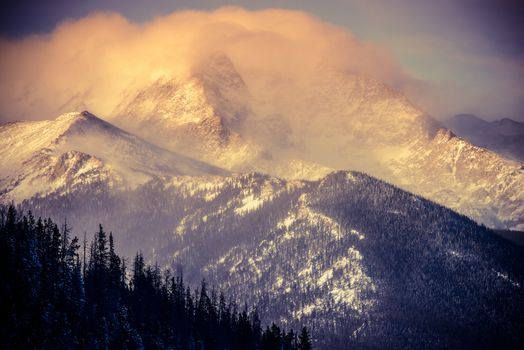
x=91, y=62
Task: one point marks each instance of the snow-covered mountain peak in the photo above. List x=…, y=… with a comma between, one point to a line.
x=368, y=112
x=504, y=136
x=299, y=128
x=303, y=128
x=76, y=116
x=224, y=88
x=82, y=122
x=78, y=149
x=345, y=78
x=212, y=92
x=218, y=69
x=199, y=115
x=444, y=135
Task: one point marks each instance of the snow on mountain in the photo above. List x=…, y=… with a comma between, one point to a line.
x=360, y=262
x=504, y=136
x=358, y=123
x=470, y=179
x=193, y=115
x=304, y=128
x=204, y=116
x=78, y=149
x=224, y=88
x=301, y=129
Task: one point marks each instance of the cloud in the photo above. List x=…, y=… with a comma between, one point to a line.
x=469, y=53
x=90, y=63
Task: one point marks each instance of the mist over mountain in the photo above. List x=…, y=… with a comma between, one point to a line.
x=307, y=183
x=331, y=119
x=203, y=85
x=354, y=258
x=504, y=136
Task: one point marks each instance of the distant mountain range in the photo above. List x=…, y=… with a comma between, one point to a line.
x=337, y=121
x=504, y=136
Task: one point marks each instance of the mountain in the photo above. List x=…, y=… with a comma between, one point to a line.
x=516, y=237
x=470, y=179
x=303, y=128
x=504, y=136
x=203, y=116
x=362, y=263
x=75, y=149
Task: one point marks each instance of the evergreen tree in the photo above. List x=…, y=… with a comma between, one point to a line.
x=48, y=303
x=304, y=343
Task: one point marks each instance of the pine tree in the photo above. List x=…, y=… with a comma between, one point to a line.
x=48, y=303
x=304, y=343
x=115, y=275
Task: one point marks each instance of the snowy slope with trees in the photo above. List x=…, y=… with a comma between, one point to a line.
x=54, y=298
x=357, y=260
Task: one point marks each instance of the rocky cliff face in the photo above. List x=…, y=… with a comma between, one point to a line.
x=470, y=179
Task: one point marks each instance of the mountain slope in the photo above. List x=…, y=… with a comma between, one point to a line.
x=79, y=148
x=363, y=263
x=504, y=136
x=205, y=115
x=470, y=179
x=302, y=128
x=352, y=122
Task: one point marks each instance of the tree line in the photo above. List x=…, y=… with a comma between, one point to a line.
x=54, y=297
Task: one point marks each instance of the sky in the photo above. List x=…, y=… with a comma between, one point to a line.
x=467, y=54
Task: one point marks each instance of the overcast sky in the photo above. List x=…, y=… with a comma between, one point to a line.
x=471, y=51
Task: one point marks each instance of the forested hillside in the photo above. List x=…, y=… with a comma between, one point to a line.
x=54, y=297
x=363, y=264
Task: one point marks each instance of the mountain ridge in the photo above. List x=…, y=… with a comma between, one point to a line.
x=504, y=136
x=78, y=147
x=355, y=259
x=305, y=127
